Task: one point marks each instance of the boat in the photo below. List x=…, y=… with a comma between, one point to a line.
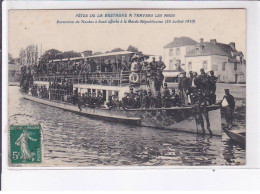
x=179, y=118
x=236, y=135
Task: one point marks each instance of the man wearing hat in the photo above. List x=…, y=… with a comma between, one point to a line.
x=228, y=106
x=150, y=100
x=166, y=96
x=212, y=81
x=125, y=101
x=175, y=98
x=184, y=86
x=131, y=97
x=203, y=77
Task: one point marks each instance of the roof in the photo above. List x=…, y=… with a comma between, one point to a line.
x=209, y=48
x=96, y=56
x=181, y=41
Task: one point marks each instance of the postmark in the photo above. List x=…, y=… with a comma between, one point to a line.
x=25, y=144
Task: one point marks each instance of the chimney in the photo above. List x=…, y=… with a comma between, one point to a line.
x=201, y=40
x=232, y=45
x=213, y=41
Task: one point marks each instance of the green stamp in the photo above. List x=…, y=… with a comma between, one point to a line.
x=25, y=144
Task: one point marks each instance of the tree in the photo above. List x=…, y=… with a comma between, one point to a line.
x=116, y=50
x=97, y=53
x=132, y=49
x=51, y=54
x=70, y=54
x=10, y=59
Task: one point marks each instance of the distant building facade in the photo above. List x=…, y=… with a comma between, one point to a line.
x=227, y=63
x=175, y=52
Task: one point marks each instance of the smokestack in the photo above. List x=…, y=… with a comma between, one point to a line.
x=201, y=40
x=232, y=45
x=213, y=41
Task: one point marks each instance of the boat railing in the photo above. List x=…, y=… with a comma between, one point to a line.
x=98, y=78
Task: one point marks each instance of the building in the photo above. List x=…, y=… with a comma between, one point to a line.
x=175, y=52
x=227, y=63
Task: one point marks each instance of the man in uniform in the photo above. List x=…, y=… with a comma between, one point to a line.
x=212, y=81
x=175, y=98
x=125, y=101
x=100, y=100
x=145, y=100
x=160, y=64
x=184, y=86
x=131, y=97
x=138, y=99
x=201, y=110
x=228, y=106
x=80, y=101
x=203, y=77
x=166, y=97
x=158, y=102
x=153, y=65
x=150, y=100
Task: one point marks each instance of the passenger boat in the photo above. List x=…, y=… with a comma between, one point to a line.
x=174, y=118
x=236, y=135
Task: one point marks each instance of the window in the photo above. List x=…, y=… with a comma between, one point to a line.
x=178, y=51
x=190, y=65
x=224, y=66
x=171, y=65
x=205, y=65
x=235, y=66
x=171, y=52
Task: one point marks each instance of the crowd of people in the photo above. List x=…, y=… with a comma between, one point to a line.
x=134, y=63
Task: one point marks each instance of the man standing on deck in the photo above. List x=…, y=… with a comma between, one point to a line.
x=228, y=106
x=184, y=86
x=153, y=65
x=131, y=97
x=160, y=64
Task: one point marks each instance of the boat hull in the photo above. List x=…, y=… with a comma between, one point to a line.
x=178, y=119
x=235, y=136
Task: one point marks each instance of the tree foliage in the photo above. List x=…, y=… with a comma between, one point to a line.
x=11, y=60
x=132, y=49
x=97, y=53
x=70, y=54
x=52, y=54
x=116, y=50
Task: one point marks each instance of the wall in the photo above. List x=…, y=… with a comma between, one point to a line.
x=197, y=63
x=175, y=57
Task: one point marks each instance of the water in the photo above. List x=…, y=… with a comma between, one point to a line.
x=74, y=140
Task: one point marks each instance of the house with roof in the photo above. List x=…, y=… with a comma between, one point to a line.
x=175, y=52
x=227, y=63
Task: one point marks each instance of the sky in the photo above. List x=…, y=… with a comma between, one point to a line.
x=40, y=27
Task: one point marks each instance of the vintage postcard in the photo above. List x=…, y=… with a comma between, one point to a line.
x=127, y=87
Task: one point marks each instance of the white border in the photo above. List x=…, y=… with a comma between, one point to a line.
x=123, y=177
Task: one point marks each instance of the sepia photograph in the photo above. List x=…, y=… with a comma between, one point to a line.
x=127, y=87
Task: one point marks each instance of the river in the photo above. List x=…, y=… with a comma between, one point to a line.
x=73, y=140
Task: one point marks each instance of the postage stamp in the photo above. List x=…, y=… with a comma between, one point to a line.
x=25, y=144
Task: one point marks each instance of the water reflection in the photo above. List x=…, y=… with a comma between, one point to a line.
x=74, y=140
